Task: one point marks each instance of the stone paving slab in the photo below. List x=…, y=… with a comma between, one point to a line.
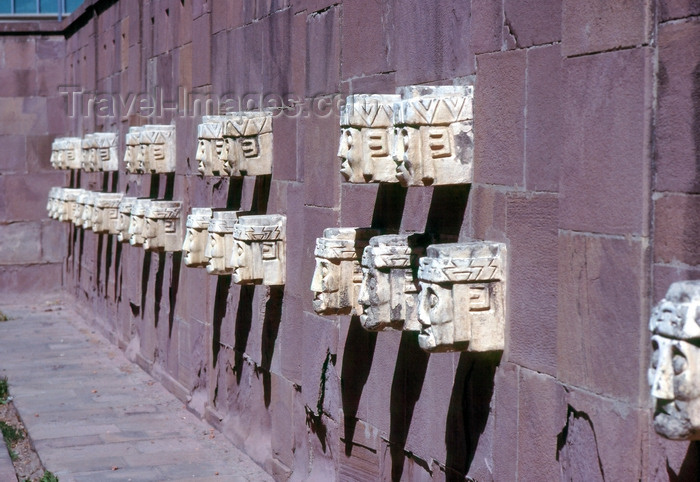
x=7, y=470
x=93, y=415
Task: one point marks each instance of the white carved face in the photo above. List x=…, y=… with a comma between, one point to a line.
x=350, y=153
x=54, y=158
x=674, y=377
x=194, y=247
x=231, y=156
x=150, y=233
x=78, y=213
x=123, y=225
x=130, y=158
x=375, y=297
x=242, y=261
x=141, y=158
x=203, y=156
x=98, y=223
x=215, y=252
x=87, y=216
x=436, y=316
x=326, y=285
x=136, y=230
x=155, y=157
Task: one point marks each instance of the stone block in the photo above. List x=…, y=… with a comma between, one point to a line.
x=543, y=137
x=245, y=63
x=363, y=27
x=599, y=432
x=506, y=433
x=438, y=35
x=277, y=58
x=291, y=338
x=531, y=22
x=499, y=119
x=297, y=252
x=23, y=198
x=320, y=350
x=606, y=157
x=18, y=83
x=14, y=150
x=665, y=275
x=356, y=206
x=678, y=125
x=487, y=207
x=600, y=319
x=34, y=278
x=532, y=222
x=487, y=27
x=54, y=242
x=20, y=52
x=284, y=158
x=201, y=46
x=597, y=25
x=672, y=9
x=323, y=52
x=21, y=243
x=542, y=414
x=318, y=149
x=677, y=229
x=282, y=409
x=219, y=67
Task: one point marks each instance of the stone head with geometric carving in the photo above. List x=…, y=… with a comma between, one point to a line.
x=51, y=204
x=88, y=207
x=247, y=149
x=389, y=289
x=132, y=153
x=462, y=297
x=78, y=207
x=162, y=230
x=219, y=247
x=124, y=222
x=366, y=138
x=338, y=274
x=210, y=145
x=434, y=142
x=196, y=237
x=72, y=153
x=89, y=153
x=157, y=154
x=137, y=221
x=69, y=198
x=105, y=214
x=674, y=373
x=106, y=155
x=259, y=251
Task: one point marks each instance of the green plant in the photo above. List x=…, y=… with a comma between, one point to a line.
x=48, y=477
x=13, y=455
x=10, y=433
x=3, y=316
x=4, y=390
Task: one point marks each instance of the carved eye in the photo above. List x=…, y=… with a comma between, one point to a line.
x=679, y=362
x=432, y=299
x=654, y=354
x=324, y=271
x=240, y=250
x=372, y=283
x=348, y=138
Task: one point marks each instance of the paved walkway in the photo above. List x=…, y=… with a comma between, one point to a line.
x=93, y=415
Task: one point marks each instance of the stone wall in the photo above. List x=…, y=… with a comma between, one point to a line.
x=586, y=147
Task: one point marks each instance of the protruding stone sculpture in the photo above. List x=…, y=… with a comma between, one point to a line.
x=367, y=138
x=88, y=208
x=219, y=249
x=137, y=221
x=157, y=153
x=162, y=229
x=674, y=374
x=389, y=289
x=72, y=158
x=259, y=252
x=462, y=297
x=247, y=149
x=196, y=237
x=107, y=157
x=56, y=148
x=89, y=153
x=68, y=201
x=105, y=214
x=52, y=203
x=338, y=274
x=78, y=208
x=210, y=145
x=124, y=223
x=133, y=154
x=434, y=143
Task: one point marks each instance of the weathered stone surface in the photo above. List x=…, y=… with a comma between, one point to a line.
x=162, y=230
x=247, y=144
x=338, y=274
x=677, y=229
x=137, y=221
x=21, y=243
x=462, y=297
x=259, y=251
x=675, y=362
x=125, y=206
x=105, y=214
x=218, y=252
x=196, y=237
x=157, y=152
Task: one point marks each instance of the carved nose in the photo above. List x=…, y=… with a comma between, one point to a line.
x=662, y=384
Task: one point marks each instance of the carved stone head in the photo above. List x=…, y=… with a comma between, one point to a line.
x=210, y=145
x=434, y=143
x=133, y=156
x=137, y=221
x=78, y=207
x=674, y=374
x=220, y=245
x=107, y=157
x=66, y=204
x=389, y=289
x=338, y=274
x=124, y=222
x=196, y=237
x=259, y=251
x=88, y=208
x=89, y=153
x=51, y=203
x=247, y=149
x=366, y=138
x=462, y=297
x=162, y=230
x=55, y=156
x=157, y=148
x=105, y=214
x=73, y=153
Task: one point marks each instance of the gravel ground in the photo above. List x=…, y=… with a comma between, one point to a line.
x=24, y=458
